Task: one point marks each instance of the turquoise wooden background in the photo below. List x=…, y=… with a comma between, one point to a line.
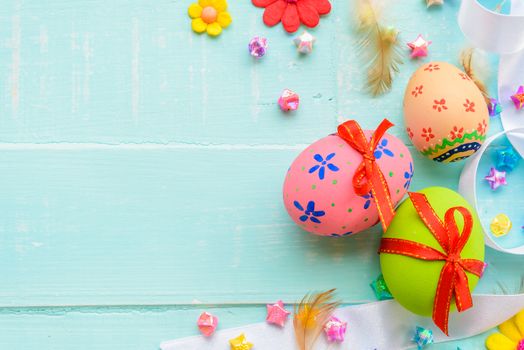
x=141, y=168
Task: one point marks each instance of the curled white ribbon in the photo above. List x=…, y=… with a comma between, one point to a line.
x=378, y=325
x=468, y=180
x=502, y=34
x=491, y=31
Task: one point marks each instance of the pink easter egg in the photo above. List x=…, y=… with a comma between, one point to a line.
x=318, y=189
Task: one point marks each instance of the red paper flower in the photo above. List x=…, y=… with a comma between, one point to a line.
x=293, y=12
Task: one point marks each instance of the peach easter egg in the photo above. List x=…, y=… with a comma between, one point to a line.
x=318, y=189
x=445, y=113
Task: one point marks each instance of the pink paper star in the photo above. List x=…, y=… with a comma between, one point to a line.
x=496, y=178
x=518, y=98
x=207, y=324
x=276, y=313
x=335, y=330
x=419, y=47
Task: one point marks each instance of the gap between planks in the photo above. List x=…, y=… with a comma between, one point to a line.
x=135, y=308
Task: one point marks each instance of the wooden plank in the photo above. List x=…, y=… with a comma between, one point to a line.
x=112, y=225
x=171, y=218
x=128, y=328
x=115, y=72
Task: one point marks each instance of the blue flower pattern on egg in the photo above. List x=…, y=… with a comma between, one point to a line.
x=382, y=149
x=323, y=164
x=368, y=197
x=408, y=175
x=310, y=212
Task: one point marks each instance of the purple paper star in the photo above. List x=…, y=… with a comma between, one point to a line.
x=496, y=178
x=419, y=47
x=494, y=107
x=276, y=314
x=518, y=98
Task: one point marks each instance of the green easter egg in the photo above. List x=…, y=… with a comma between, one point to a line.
x=413, y=282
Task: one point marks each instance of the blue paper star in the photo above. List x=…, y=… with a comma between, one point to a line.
x=507, y=158
x=423, y=337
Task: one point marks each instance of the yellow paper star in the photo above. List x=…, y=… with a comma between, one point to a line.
x=434, y=2
x=240, y=343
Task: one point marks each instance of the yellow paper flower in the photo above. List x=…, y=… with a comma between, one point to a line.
x=209, y=16
x=511, y=336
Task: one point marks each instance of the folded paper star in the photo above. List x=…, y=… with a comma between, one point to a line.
x=434, y=2
x=335, y=330
x=381, y=289
x=507, y=158
x=494, y=107
x=422, y=337
x=304, y=43
x=496, y=178
x=240, y=343
x=276, y=314
x=419, y=47
x=500, y=225
x=207, y=324
x=518, y=98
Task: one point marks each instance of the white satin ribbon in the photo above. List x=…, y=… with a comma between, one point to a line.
x=468, y=181
x=491, y=31
x=378, y=325
x=504, y=35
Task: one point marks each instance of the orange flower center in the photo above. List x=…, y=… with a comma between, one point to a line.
x=209, y=14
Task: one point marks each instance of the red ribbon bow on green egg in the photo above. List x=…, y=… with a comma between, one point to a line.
x=453, y=281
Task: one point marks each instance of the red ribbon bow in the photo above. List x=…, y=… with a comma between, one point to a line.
x=369, y=177
x=453, y=280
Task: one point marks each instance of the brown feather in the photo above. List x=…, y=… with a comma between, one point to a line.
x=379, y=47
x=466, y=60
x=310, y=317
